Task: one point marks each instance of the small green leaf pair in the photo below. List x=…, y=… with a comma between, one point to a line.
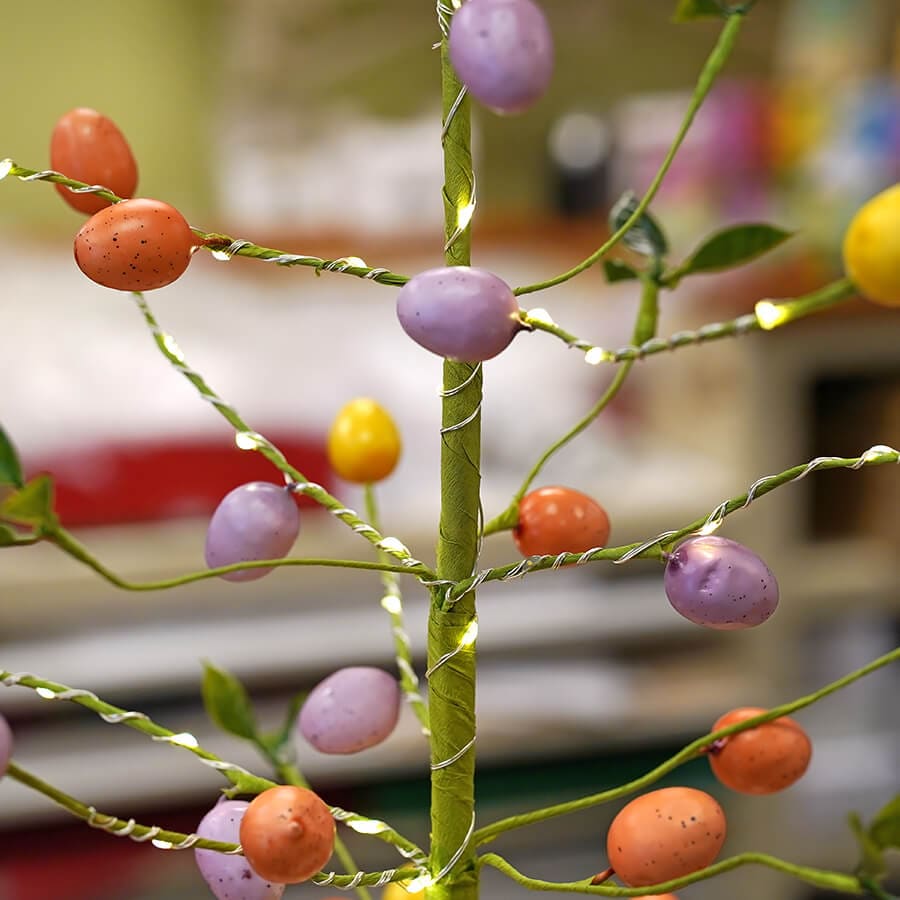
x=29, y=504
x=722, y=250
x=882, y=834
x=229, y=707
x=690, y=10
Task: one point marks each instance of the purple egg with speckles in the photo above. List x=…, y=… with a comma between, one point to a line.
x=255, y=521
x=351, y=710
x=230, y=877
x=720, y=584
x=502, y=51
x=459, y=312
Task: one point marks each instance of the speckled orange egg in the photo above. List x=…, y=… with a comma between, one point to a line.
x=665, y=834
x=87, y=146
x=136, y=245
x=761, y=760
x=555, y=520
x=287, y=834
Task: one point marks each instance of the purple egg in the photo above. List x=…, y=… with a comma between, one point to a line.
x=230, y=877
x=258, y=520
x=720, y=584
x=351, y=710
x=502, y=51
x=459, y=312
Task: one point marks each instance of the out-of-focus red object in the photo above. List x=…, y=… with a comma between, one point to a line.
x=147, y=481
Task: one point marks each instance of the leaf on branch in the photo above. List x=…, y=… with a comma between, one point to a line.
x=32, y=505
x=616, y=270
x=732, y=247
x=227, y=702
x=10, y=467
x=8, y=538
x=885, y=828
x=645, y=236
x=871, y=861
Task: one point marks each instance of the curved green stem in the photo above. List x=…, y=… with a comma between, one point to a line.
x=691, y=751
x=66, y=542
x=708, y=75
x=224, y=246
x=112, y=824
x=244, y=782
x=644, y=329
x=834, y=881
x=250, y=439
x=392, y=603
x=653, y=549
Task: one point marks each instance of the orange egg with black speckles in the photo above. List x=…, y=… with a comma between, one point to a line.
x=761, y=760
x=665, y=834
x=136, y=245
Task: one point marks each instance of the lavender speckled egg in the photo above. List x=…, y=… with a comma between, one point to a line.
x=502, y=51
x=230, y=877
x=720, y=584
x=459, y=312
x=351, y=710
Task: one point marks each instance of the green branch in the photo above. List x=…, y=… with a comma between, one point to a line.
x=112, y=824
x=392, y=603
x=67, y=543
x=653, y=549
x=781, y=312
x=691, y=751
x=249, y=439
x=835, y=881
x=708, y=75
x=222, y=245
x=244, y=782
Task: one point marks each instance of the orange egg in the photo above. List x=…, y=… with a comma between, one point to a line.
x=761, y=760
x=287, y=834
x=665, y=834
x=136, y=245
x=87, y=146
x=555, y=520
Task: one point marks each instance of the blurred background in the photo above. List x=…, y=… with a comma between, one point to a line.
x=314, y=127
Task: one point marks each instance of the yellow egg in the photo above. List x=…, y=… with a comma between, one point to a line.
x=872, y=248
x=363, y=444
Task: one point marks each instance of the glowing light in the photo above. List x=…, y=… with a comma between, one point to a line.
x=247, y=440
x=367, y=826
x=46, y=693
x=595, y=356
x=355, y=262
x=5, y=168
x=464, y=214
x=391, y=602
x=710, y=527
x=470, y=635
x=456, y=4
x=183, y=739
x=392, y=545
x=161, y=845
x=221, y=255
x=172, y=347
x=770, y=315
x=417, y=884
x=539, y=315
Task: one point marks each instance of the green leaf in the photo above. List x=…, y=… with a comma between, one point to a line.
x=227, y=702
x=731, y=247
x=689, y=10
x=871, y=861
x=616, y=270
x=645, y=236
x=32, y=505
x=10, y=467
x=885, y=827
x=8, y=538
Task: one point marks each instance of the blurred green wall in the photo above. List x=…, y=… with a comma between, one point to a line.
x=150, y=66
